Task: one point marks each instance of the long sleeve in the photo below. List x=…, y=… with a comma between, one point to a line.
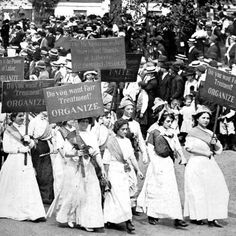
x=10, y=145
x=144, y=105
x=141, y=143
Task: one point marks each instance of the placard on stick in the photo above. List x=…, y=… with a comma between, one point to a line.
x=24, y=95
x=73, y=101
x=11, y=68
x=220, y=87
x=124, y=75
x=106, y=53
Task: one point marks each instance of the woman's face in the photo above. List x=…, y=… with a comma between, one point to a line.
x=106, y=120
x=122, y=132
x=83, y=124
x=167, y=122
x=19, y=118
x=89, y=77
x=204, y=120
x=128, y=110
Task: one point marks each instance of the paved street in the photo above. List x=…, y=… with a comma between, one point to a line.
x=227, y=162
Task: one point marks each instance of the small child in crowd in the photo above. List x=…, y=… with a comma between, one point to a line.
x=187, y=111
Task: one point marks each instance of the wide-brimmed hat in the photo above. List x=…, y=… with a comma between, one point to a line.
x=202, y=109
x=53, y=52
x=192, y=40
x=158, y=102
x=150, y=69
x=195, y=63
x=181, y=57
x=88, y=28
x=90, y=72
x=126, y=101
x=40, y=64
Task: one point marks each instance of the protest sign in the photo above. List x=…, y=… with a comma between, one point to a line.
x=220, y=88
x=11, y=68
x=73, y=101
x=105, y=53
x=24, y=96
x=124, y=75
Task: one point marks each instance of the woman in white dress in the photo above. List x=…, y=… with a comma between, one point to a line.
x=118, y=158
x=138, y=143
x=81, y=203
x=159, y=197
x=20, y=198
x=206, y=193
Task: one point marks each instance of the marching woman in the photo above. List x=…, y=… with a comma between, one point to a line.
x=81, y=203
x=135, y=135
x=118, y=158
x=159, y=197
x=20, y=198
x=206, y=193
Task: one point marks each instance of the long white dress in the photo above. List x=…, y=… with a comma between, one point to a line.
x=206, y=192
x=81, y=196
x=159, y=197
x=117, y=205
x=20, y=198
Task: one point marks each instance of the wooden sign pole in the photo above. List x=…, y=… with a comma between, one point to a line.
x=215, y=124
x=26, y=132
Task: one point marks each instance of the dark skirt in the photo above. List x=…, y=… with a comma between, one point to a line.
x=43, y=168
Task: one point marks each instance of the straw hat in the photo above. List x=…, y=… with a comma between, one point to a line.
x=90, y=72
x=202, y=109
x=158, y=102
x=125, y=101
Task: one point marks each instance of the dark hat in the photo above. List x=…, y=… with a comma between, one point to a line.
x=162, y=58
x=174, y=67
x=159, y=38
x=213, y=63
x=164, y=65
x=189, y=72
x=18, y=27
x=201, y=68
x=60, y=30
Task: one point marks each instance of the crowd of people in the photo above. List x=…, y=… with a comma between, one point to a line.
x=88, y=170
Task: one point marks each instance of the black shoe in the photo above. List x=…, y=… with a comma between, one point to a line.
x=134, y=212
x=41, y=219
x=129, y=226
x=180, y=223
x=152, y=220
x=214, y=223
x=197, y=222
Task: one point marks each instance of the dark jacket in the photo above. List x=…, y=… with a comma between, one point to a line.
x=193, y=55
x=177, y=87
x=164, y=89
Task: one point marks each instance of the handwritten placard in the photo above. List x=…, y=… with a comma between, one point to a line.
x=106, y=53
x=74, y=101
x=24, y=96
x=220, y=87
x=121, y=75
x=11, y=68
